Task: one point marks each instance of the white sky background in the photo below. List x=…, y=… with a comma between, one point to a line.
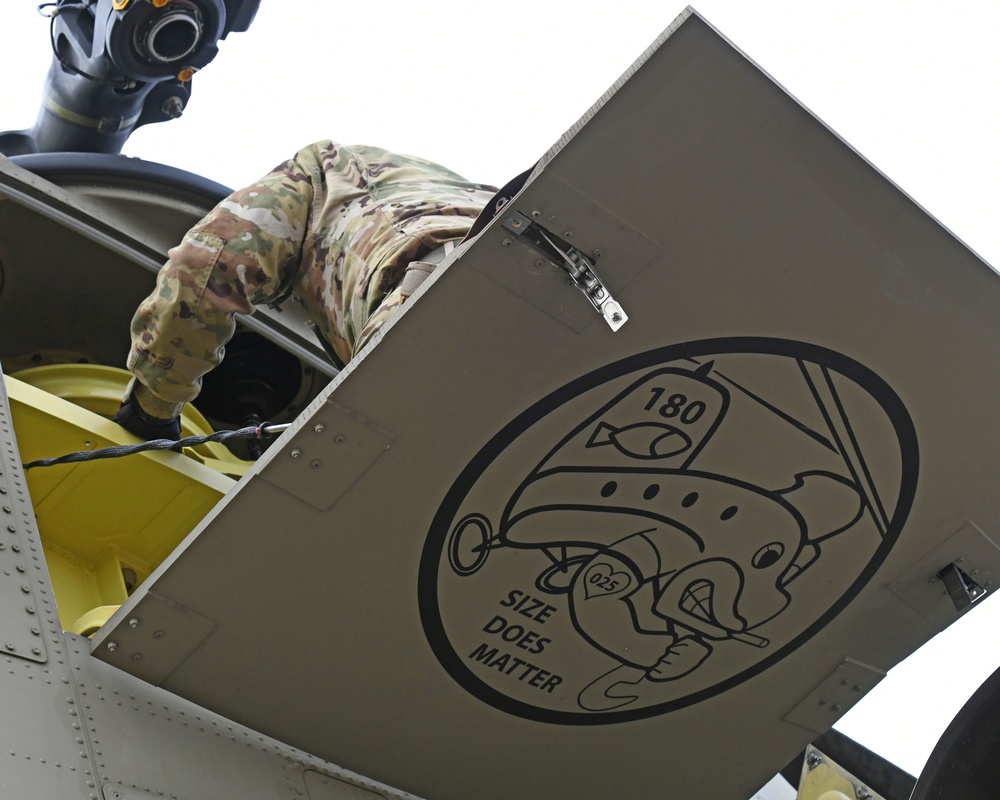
x=487, y=88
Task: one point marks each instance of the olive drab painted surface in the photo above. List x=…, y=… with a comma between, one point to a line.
x=684, y=535
x=525, y=555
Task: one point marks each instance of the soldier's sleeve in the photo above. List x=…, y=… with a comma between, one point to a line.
x=245, y=252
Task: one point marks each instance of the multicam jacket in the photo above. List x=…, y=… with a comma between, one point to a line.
x=336, y=226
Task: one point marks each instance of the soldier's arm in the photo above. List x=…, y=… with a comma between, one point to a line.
x=243, y=253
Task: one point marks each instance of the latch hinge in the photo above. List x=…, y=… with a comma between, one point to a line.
x=578, y=266
x=963, y=590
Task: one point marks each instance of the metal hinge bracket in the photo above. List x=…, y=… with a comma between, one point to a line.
x=578, y=266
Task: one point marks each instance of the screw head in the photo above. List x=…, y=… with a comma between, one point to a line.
x=506, y=243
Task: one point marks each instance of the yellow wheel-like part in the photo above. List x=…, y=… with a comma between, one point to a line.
x=99, y=389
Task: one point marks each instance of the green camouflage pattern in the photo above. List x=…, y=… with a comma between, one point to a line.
x=335, y=226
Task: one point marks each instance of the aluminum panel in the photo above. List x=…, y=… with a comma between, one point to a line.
x=495, y=608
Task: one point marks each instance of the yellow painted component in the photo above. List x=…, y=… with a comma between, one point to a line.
x=88, y=624
x=118, y=5
x=824, y=779
x=160, y=3
x=107, y=524
x=99, y=389
x=185, y=74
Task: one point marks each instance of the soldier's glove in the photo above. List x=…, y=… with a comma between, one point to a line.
x=133, y=419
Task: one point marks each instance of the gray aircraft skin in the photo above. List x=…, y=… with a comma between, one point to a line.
x=77, y=726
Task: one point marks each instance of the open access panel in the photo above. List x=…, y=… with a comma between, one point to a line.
x=648, y=485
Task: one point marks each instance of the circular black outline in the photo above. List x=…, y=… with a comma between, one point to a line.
x=485, y=530
x=427, y=586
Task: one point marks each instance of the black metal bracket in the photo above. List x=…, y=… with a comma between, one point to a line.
x=962, y=589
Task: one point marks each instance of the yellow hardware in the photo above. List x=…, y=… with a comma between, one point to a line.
x=118, y=5
x=99, y=389
x=105, y=525
x=88, y=624
x=160, y=3
x=185, y=74
x=823, y=779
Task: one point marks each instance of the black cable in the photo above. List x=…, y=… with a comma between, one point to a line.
x=262, y=431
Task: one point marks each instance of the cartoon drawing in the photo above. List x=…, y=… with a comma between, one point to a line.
x=664, y=544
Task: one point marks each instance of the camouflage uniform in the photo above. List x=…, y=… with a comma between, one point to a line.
x=336, y=226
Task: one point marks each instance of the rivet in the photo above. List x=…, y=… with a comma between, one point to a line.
x=616, y=317
x=134, y=622
x=567, y=233
x=316, y=463
x=319, y=427
x=112, y=646
x=536, y=213
x=137, y=656
x=296, y=453
x=598, y=253
x=36, y=651
x=158, y=634
x=506, y=243
x=339, y=438
x=835, y=707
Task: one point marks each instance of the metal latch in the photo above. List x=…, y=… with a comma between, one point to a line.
x=568, y=258
x=962, y=589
